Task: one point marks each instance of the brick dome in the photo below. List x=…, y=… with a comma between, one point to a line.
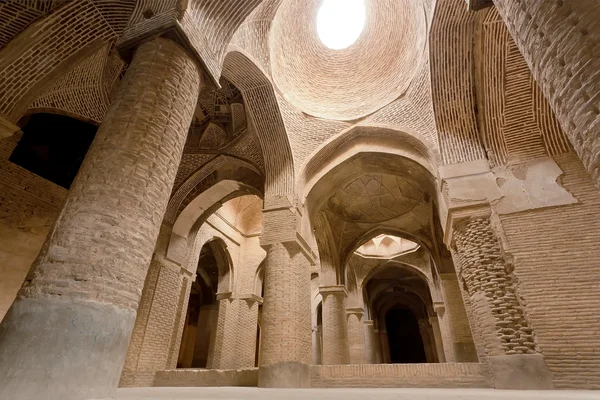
x=353, y=82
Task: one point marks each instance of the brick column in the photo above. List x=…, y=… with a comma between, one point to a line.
x=158, y=328
x=335, y=327
x=560, y=40
x=385, y=347
x=224, y=353
x=454, y=323
x=497, y=314
x=285, y=352
x=66, y=334
x=247, y=325
x=316, y=345
x=437, y=337
x=356, y=336
x=428, y=341
x=372, y=344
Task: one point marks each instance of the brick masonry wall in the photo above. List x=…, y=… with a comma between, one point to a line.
x=485, y=274
x=399, y=375
x=158, y=310
x=207, y=377
x=454, y=323
x=560, y=40
x=557, y=266
x=29, y=205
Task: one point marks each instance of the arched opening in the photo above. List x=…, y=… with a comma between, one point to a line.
x=400, y=302
x=53, y=146
x=202, y=311
x=404, y=337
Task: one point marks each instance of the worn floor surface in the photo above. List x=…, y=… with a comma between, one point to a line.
x=231, y=393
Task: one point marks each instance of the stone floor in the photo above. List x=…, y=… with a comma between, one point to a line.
x=231, y=393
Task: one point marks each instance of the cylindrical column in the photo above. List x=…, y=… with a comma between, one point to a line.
x=66, y=334
x=316, y=343
x=246, y=329
x=385, y=347
x=560, y=41
x=373, y=356
x=356, y=336
x=459, y=346
x=224, y=353
x=428, y=341
x=335, y=327
x=437, y=337
x=285, y=352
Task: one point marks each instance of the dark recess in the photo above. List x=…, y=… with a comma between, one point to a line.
x=53, y=147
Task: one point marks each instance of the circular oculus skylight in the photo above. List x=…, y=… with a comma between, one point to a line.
x=340, y=22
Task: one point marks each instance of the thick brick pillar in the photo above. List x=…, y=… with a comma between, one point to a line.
x=335, y=327
x=497, y=314
x=356, y=336
x=560, y=40
x=66, y=334
x=285, y=352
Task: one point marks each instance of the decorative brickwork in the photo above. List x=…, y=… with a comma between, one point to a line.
x=491, y=286
x=78, y=24
x=560, y=41
x=245, y=175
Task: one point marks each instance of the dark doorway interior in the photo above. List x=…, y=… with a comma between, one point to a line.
x=404, y=337
x=202, y=314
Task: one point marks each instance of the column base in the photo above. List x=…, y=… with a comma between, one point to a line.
x=520, y=372
x=56, y=349
x=284, y=375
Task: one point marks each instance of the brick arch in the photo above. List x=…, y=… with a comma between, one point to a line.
x=221, y=168
x=360, y=139
x=261, y=101
x=61, y=39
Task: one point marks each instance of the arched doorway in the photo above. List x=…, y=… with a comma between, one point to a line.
x=202, y=312
x=400, y=303
x=404, y=337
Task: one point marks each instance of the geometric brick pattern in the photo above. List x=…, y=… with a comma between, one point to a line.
x=491, y=287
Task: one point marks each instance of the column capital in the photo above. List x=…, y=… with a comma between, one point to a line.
x=251, y=298
x=356, y=311
x=369, y=322
x=297, y=242
x=439, y=308
x=224, y=296
x=336, y=290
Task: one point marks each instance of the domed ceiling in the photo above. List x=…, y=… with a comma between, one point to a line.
x=375, y=198
x=356, y=81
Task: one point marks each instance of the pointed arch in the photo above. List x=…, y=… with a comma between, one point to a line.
x=260, y=99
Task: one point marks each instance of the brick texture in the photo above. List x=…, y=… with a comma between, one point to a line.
x=121, y=191
x=556, y=263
